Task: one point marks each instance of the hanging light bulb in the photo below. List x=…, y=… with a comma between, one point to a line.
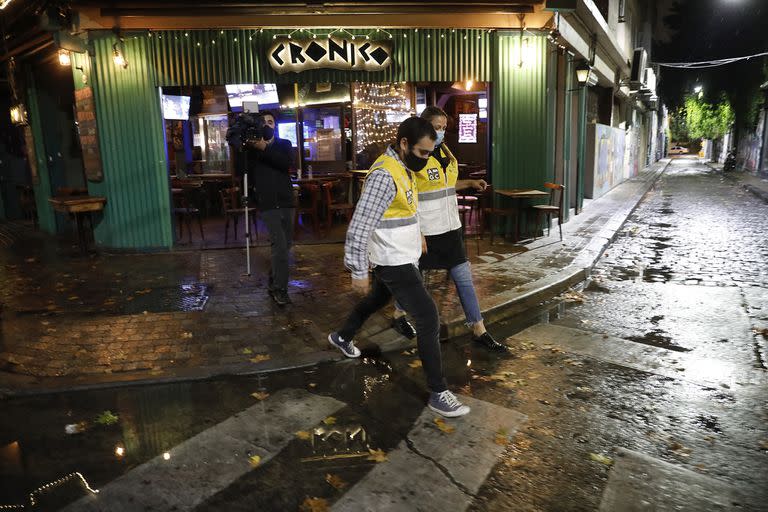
x=118, y=58
x=468, y=85
x=64, y=58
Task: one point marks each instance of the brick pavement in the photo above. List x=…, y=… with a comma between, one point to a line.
x=69, y=320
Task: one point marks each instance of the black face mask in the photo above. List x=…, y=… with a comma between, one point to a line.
x=415, y=163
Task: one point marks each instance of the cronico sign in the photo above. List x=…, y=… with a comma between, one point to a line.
x=336, y=53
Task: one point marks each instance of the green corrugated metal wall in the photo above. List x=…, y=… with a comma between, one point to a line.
x=216, y=57
x=131, y=140
x=137, y=214
x=522, y=129
x=45, y=213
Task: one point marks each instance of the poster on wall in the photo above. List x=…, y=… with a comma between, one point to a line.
x=467, y=128
x=29, y=142
x=86, y=130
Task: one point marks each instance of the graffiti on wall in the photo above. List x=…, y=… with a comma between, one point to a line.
x=608, y=162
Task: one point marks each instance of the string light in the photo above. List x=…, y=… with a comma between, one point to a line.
x=32, y=497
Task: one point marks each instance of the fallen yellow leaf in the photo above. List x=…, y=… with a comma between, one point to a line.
x=255, y=460
x=442, y=425
x=502, y=437
x=312, y=385
x=314, y=505
x=260, y=395
x=377, y=455
x=602, y=459
x=303, y=434
x=415, y=364
x=247, y=351
x=74, y=297
x=260, y=358
x=335, y=481
x=330, y=420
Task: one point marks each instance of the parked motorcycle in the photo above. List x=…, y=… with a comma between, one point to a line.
x=730, y=162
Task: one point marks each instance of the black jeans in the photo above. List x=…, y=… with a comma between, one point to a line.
x=405, y=284
x=279, y=222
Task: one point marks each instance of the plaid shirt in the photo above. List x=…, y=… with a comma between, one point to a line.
x=378, y=193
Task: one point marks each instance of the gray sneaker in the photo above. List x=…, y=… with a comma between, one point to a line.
x=347, y=347
x=446, y=404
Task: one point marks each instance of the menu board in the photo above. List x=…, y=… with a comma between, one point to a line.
x=29, y=142
x=86, y=129
x=467, y=128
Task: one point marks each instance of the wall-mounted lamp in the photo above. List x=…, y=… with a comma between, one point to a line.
x=64, y=57
x=118, y=57
x=468, y=85
x=585, y=75
x=18, y=114
x=4, y=3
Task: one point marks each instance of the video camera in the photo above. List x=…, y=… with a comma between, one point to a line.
x=248, y=127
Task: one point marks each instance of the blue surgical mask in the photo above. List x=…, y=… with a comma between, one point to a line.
x=440, y=137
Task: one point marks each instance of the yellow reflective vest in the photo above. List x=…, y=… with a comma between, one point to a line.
x=438, y=208
x=397, y=238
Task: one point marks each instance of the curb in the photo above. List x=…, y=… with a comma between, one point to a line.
x=386, y=341
x=553, y=285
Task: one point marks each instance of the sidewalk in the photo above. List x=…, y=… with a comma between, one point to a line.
x=68, y=321
x=752, y=182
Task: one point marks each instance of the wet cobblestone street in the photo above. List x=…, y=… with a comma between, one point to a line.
x=647, y=381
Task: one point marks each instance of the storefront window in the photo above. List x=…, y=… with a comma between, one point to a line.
x=379, y=110
x=210, y=151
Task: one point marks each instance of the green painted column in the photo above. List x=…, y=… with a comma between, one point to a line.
x=45, y=213
x=522, y=108
x=132, y=145
x=520, y=103
x=567, y=134
x=582, y=149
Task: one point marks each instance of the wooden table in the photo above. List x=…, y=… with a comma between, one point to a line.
x=79, y=206
x=517, y=194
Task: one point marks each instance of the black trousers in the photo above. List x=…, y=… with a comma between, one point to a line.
x=279, y=222
x=405, y=284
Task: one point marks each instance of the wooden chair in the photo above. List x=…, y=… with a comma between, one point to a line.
x=230, y=205
x=472, y=201
x=308, y=203
x=337, y=197
x=555, y=207
x=186, y=205
x=491, y=212
x=27, y=203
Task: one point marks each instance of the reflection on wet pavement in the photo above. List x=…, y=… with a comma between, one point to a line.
x=680, y=388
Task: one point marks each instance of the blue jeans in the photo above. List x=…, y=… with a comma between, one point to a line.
x=462, y=278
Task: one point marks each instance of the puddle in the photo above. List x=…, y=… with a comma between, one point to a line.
x=657, y=338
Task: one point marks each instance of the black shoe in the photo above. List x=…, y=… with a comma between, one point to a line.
x=404, y=327
x=487, y=341
x=280, y=297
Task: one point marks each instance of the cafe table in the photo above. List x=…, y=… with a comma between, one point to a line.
x=79, y=207
x=517, y=194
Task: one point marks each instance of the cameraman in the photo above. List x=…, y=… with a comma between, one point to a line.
x=268, y=163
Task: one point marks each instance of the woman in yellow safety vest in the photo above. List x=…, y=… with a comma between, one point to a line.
x=439, y=220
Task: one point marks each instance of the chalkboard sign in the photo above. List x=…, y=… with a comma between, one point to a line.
x=29, y=143
x=86, y=128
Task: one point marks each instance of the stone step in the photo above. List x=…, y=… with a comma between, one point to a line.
x=213, y=459
x=436, y=471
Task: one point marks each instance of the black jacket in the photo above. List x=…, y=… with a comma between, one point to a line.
x=269, y=175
